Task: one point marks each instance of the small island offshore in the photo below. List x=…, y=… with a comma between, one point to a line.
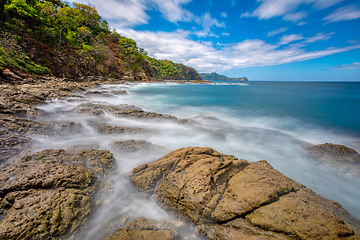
x=72, y=149
x=215, y=76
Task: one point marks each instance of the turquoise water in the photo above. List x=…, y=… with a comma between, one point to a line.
x=334, y=105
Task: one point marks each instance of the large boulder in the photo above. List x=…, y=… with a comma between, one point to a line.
x=337, y=157
x=230, y=198
x=50, y=194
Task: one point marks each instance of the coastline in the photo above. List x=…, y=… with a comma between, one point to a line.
x=19, y=118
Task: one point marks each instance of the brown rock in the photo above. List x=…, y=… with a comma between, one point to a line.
x=142, y=228
x=234, y=199
x=119, y=130
x=22, y=125
x=12, y=146
x=133, y=145
x=49, y=194
x=338, y=157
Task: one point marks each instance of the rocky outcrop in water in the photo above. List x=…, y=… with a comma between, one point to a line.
x=230, y=198
x=134, y=145
x=337, y=157
x=49, y=194
x=143, y=228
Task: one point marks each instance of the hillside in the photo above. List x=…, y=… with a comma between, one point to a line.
x=215, y=76
x=166, y=69
x=71, y=41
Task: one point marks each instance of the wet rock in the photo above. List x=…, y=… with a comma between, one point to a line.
x=133, y=145
x=12, y=146
x=120, y=130
x=230, y=198
x=119, y=92
x=49, y=194
x=70, y=127
x=143, y=228
x=337, y=157
x=98, y=109
x=22, y=125
x=18, y=109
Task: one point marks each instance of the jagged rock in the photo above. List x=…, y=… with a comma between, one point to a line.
x=70, y=127
x=49, y=194
x=120, y=130
x=12, y=146
x=337, y=157
x=235, y=199
x=22, y=125
x=17, y=108
x=143, y=228
x=133, y=145
x=97, y=109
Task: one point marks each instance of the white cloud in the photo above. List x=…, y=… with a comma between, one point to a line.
x=343, y=14
x=225, y=34
x=319, y=37
x=295, y=17
x=172, y=10
x=277, y=31
x=204, y=57
x=286, y=39
x=224, y=14
x=207, y=22
x=287, y=8
x=351, y=66
x=124, y=12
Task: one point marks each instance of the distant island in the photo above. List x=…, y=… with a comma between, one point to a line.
x=215, y=76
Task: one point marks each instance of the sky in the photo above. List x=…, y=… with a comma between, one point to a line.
x=259, y=39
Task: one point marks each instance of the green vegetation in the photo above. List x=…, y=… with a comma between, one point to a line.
x=72, y=34
x=215, y=76
x=167, y=69
x=12, y=55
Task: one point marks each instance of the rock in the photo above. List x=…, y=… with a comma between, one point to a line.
x=337, y=157
x=22, y=125
x=18, y=109
x=120, y=130
x=142, y=228
x=49, y=194
x=98, y=109
x=133, y=145
x=230, y=198
x=12, y=146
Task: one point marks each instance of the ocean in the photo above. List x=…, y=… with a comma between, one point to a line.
x=273, y=121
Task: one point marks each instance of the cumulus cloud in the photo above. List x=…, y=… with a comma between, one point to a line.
x=204, y=57
x=351, y=66
x=343, y=14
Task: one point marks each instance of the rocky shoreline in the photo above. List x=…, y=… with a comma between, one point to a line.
x=53, y=193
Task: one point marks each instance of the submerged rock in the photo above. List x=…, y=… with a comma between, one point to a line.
x=143, y=228
x=337, y=157
x=22, y=125
x=133, y=145
x=119, y=130
x=49, y=194
x=12, y=146
x=230, y=198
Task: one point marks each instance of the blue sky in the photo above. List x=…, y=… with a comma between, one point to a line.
x=260, y=39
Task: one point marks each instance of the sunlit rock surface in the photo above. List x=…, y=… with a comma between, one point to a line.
x=234, y=199
x=48, y=195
